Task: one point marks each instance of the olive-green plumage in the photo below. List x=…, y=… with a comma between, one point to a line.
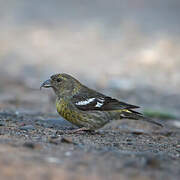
x=85, y=107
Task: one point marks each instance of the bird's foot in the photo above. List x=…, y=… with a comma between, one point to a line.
x=80, y=130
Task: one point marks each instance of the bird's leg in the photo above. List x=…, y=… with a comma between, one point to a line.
x=80, y=130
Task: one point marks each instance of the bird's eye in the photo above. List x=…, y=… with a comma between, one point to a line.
x=58, y=80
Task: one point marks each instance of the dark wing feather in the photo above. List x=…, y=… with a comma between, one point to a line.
x=100, y=102
x=114, y=104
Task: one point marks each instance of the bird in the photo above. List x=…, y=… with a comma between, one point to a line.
x=86, y=108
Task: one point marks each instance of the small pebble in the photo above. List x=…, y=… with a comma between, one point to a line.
x=2, y=123
x=31, y=145
x=27, y=127
x=52, y=160
x=67, y=140
x=68, y=153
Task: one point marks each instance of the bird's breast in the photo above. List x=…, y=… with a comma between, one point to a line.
x=62, y=108
x=67, y=112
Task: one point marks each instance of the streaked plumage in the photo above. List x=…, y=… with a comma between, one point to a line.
x=85, y=107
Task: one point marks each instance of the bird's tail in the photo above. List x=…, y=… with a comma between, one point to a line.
x=130, y=114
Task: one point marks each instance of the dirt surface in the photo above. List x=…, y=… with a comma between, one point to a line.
x=41, y=146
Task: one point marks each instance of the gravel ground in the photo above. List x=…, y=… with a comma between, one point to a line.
x=41, y=146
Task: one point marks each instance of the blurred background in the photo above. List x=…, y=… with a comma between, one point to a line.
x=127, y=49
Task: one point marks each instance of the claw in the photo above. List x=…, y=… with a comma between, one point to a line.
x=80, y=130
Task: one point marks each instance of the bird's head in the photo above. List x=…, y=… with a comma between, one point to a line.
x=62, y=84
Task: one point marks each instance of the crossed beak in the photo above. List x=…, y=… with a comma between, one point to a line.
x=46, y=84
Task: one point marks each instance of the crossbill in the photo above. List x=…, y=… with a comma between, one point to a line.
x=87, y=108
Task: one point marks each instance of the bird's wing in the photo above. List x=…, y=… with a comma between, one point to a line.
x=99, y=102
